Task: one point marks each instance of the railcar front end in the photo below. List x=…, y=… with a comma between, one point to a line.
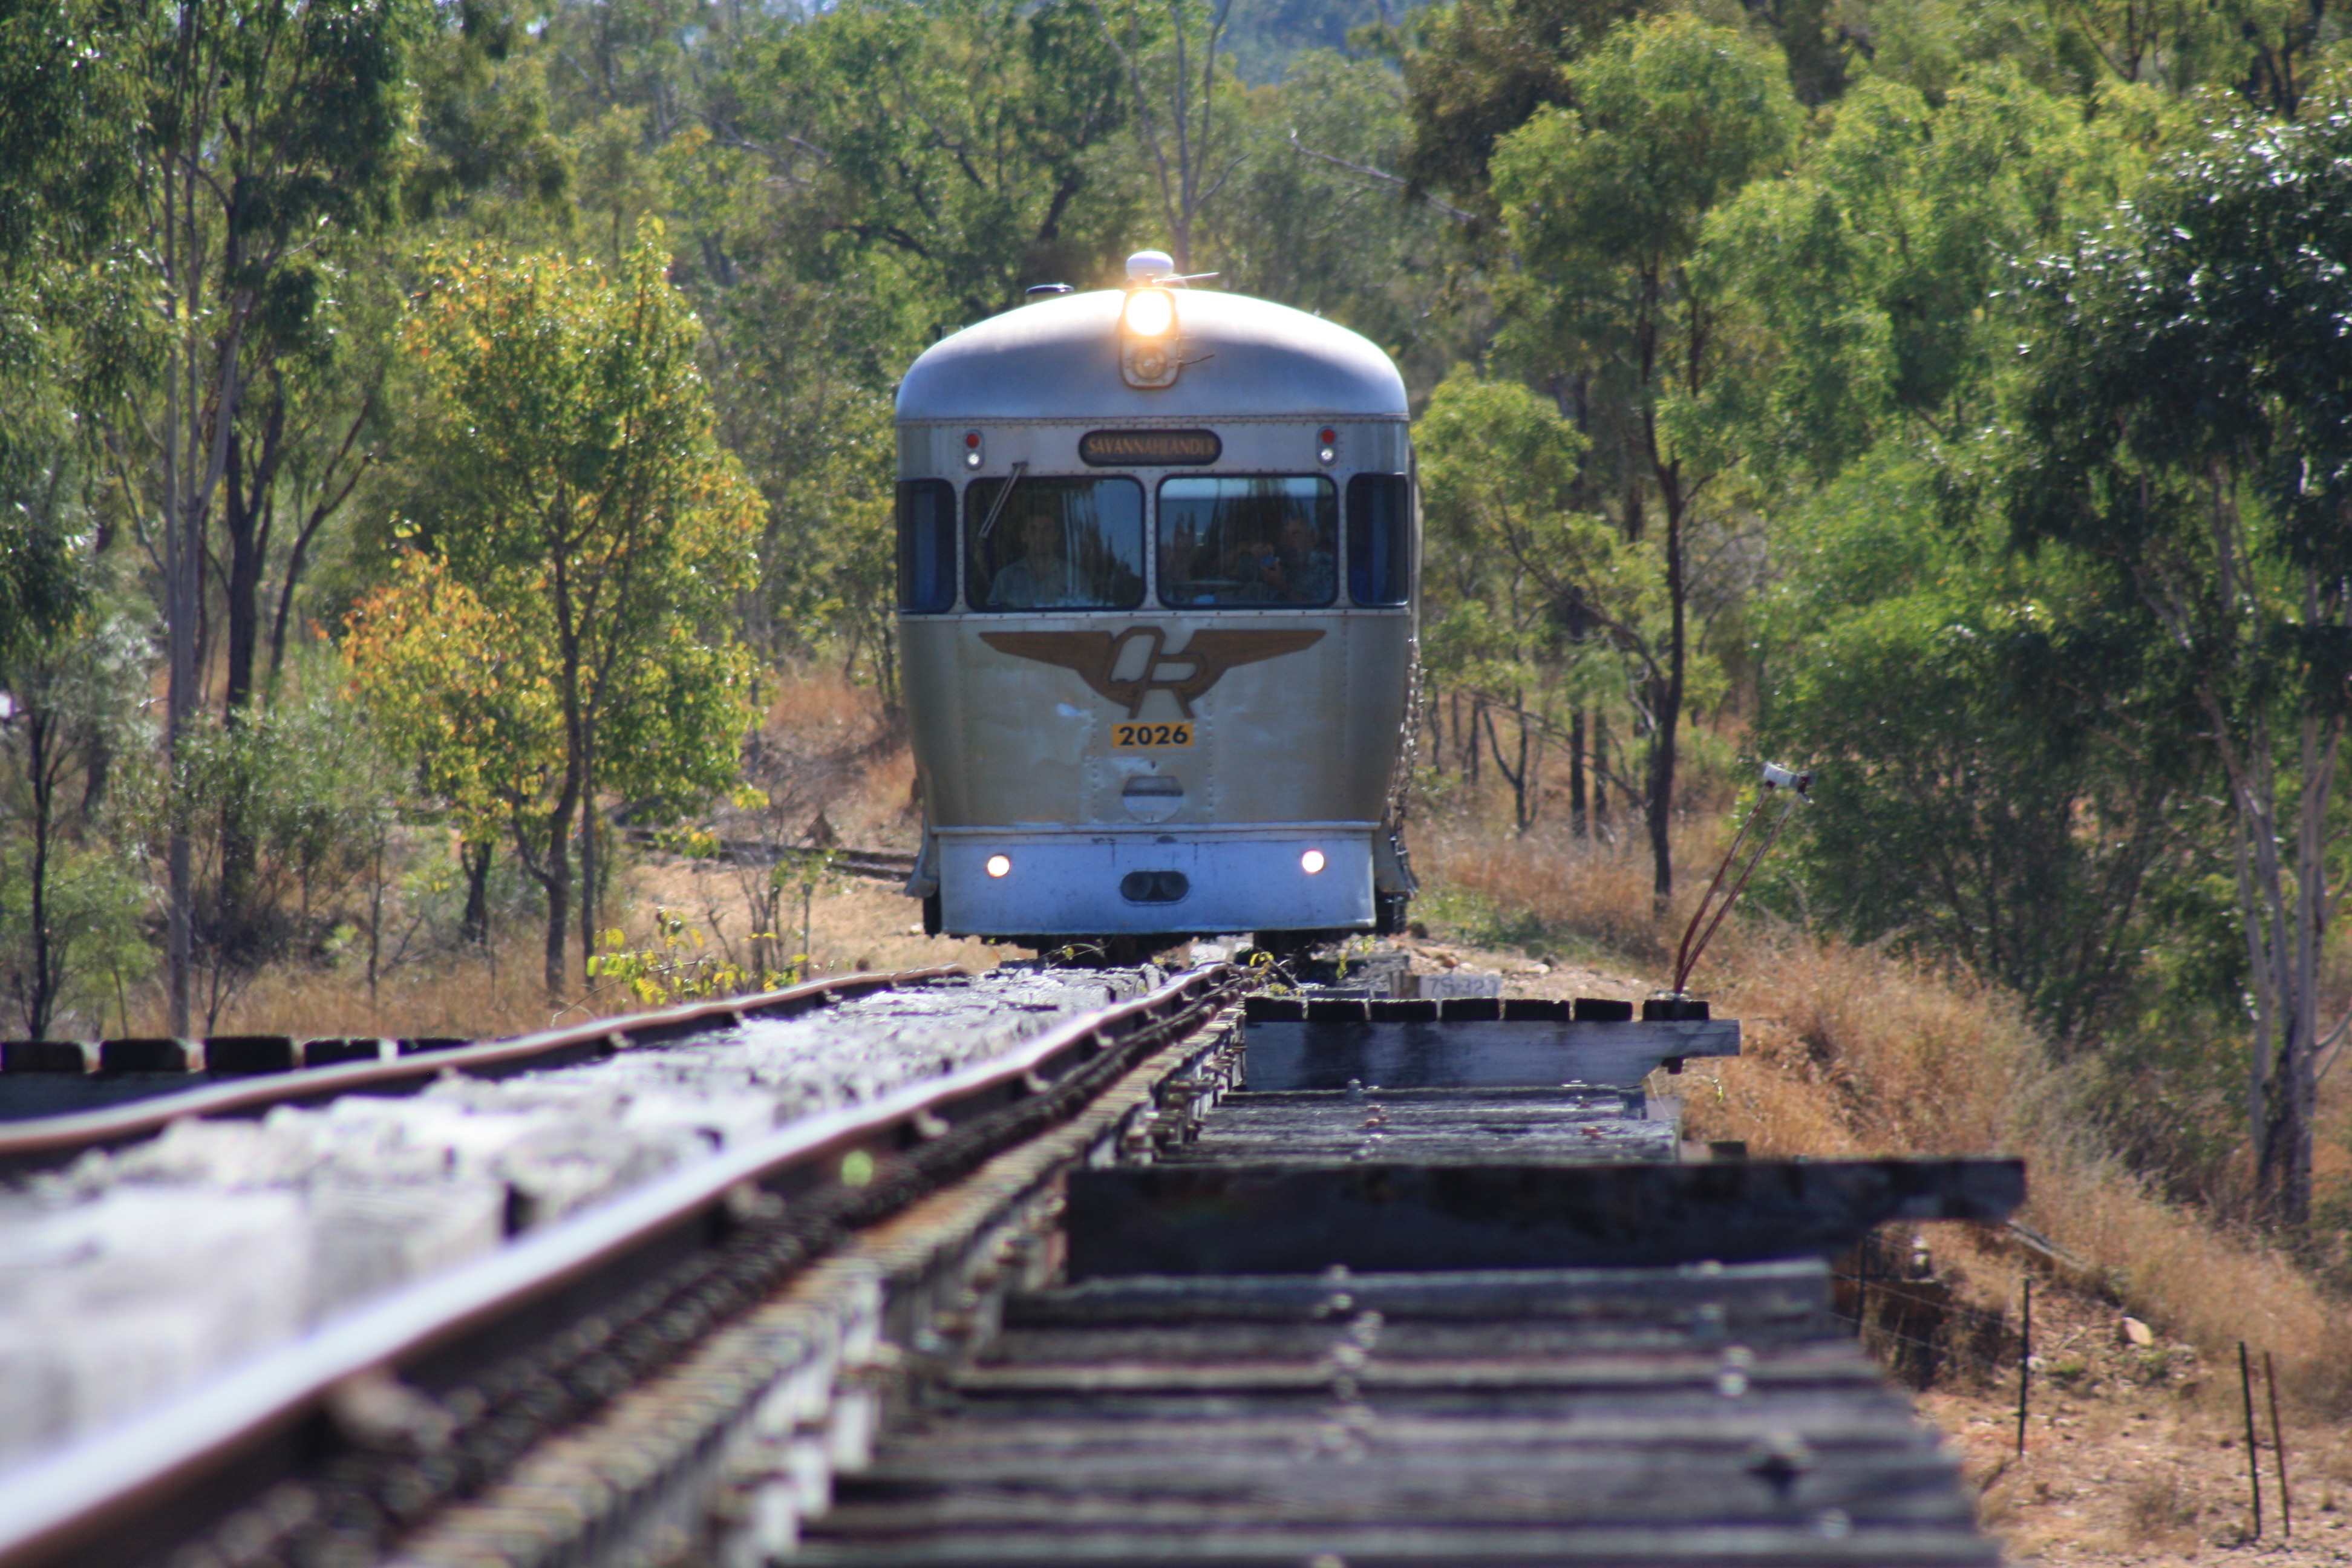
x=1157, y=554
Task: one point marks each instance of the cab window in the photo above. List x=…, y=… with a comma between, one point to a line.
x=926, y=545
x=1054, y=544
x=1380, y=539
x=1262, y=541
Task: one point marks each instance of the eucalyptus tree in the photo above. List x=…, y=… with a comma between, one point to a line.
x=1313, y=215
x=1911, y=658
x=1184, y=107
x=950, y=148
x=2267, y=50
x=69, y=904
x=2188, y=433
x=268, y=130
x=580, y=498
x=1535, y=607
x=1605, y=204
x=1480, y=70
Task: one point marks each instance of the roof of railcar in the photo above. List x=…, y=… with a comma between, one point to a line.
x=1058, y=359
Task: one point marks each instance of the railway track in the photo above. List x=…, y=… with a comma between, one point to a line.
x=1169, y=1276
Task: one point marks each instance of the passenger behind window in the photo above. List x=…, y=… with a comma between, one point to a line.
x=1054, y=544
x=1299, y=571
x=1040, y=579
x=1248, y=540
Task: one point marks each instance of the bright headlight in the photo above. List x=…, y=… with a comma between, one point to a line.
x=1150, y=312
x=998, y=864
x=1312, y=862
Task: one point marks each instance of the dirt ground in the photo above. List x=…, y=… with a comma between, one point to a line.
x=859, y=924
x=2137, y=1456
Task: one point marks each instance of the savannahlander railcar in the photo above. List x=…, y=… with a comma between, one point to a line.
x=1157, y=551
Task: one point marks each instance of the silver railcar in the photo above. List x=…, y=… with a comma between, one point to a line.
x=1158, y=558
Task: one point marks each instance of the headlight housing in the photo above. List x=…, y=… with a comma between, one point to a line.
x=1147, y=338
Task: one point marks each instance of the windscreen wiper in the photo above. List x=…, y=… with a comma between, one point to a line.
x=997, y=507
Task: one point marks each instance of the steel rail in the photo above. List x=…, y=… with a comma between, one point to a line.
x=54, y=1140
x=60, y=1510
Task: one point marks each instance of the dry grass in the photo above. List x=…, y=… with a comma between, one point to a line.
x=1852, y=1052
x=2157, y=1509
x=475, y=996
x=1598, y=892
x=833, y=768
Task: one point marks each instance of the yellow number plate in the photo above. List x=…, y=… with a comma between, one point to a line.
x=1137, y=737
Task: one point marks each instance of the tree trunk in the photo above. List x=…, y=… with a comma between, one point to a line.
x=246, y=511
x=2285, y=1082
x=1576, y=775
x=557, y=880
x=180, y=692
x=1666, y=705
x=41, y=1003
x=474, y=928
x=588, y=871
x=1600, y=775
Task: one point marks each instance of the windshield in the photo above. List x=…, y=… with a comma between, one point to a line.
x=1056, y=544
x=1255, y=541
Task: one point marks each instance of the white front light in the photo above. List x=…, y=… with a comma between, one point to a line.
x=1150, y=312
x=998, y=864
x=1312, y=862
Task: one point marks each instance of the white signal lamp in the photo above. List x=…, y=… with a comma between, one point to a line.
x=1148, y=355
x=1312, y=862
x=1149, y=313
x=998, y=865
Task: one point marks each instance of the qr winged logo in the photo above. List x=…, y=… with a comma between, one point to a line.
x=1199, y=665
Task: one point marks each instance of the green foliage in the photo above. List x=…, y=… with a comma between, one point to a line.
x=1671, y=118
x=835, y=576
x=1521, y=578
x=677, y=967
x=1971, y=812
x=2188, y=437
x=39, y=591
x=70, y=896
x=957, y=140
x=484, y=146
x=2198, y=341
x=1300, y=220
x=463, y=694
x=1888, y=265
x=65, y=144
x=584, y=536
x=1481, y=69
x=300, y=801
x=2263, y=49
x=1606, y=203
x=70, y=981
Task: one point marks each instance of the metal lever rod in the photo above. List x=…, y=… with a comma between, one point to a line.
x=1776, y=779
